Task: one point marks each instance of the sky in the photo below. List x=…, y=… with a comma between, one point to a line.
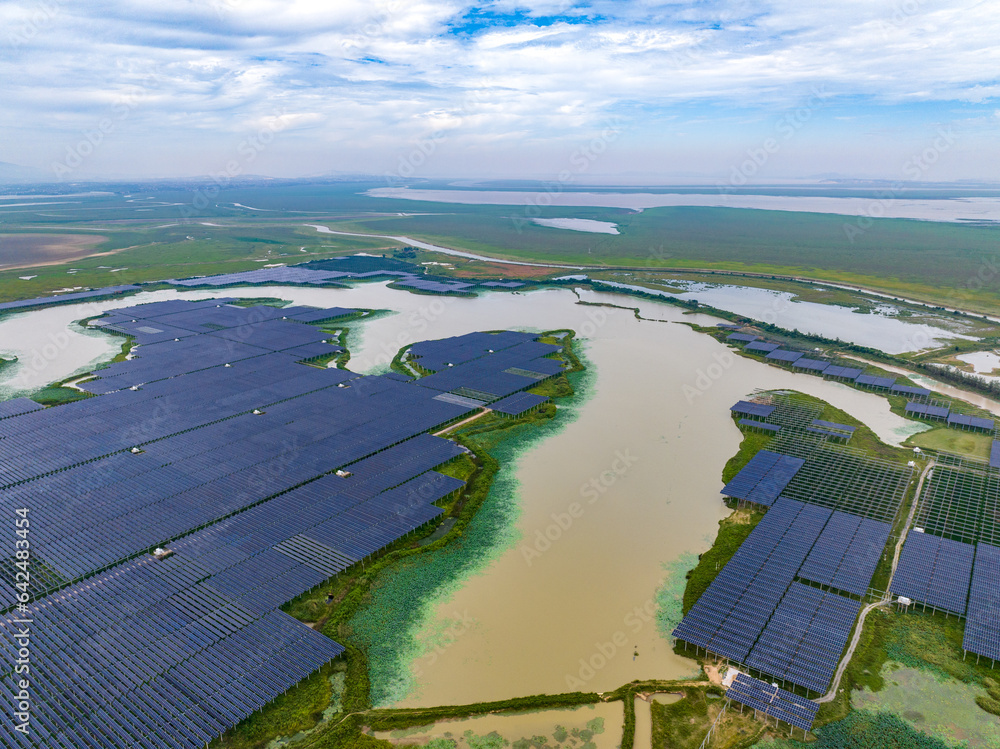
x=610, y=90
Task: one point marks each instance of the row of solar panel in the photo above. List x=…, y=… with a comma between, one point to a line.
x=763, y=478
x=771, y=700
x=774, y=352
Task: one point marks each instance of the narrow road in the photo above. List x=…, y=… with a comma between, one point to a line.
x=829, y=696
x=462, y=423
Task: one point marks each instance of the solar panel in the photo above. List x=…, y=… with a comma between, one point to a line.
x=742, y=338
x=934, y=571
x=762, y=347
x=812, y=365
x=928, y=411
x=995, y=454
x=747, y=408
x=973, y=422
x=982, y=626
x=785, y=356
x=909, y=390
x=875, y=381
x=805, y=637
x=774, y=701
x=763, y=478
x=518, y=404
x=846, y=553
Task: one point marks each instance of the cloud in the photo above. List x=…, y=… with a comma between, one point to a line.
x=376, y=76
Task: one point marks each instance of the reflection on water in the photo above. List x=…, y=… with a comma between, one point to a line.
x=615, y=495
x=592, y=726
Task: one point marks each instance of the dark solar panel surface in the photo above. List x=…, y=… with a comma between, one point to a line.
x=909, y=390
x=875, y=381
x=17, y=406
x=742, y=337
x=995, y=454
x=922, y=409
x=763, y=478
x=195, y=640
x=982, y=625
x=785, y=356
x=812, y=365
x=774, y=701
x=63, y=298
x=974, y=422
x=934, y=571
x=731, y=614
x=760, y=425
x=519, y=403
x=805, y=637
x=762, y=347
x=748, y=408
x=846, y=553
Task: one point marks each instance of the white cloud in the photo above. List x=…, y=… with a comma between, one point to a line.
x=379, y=75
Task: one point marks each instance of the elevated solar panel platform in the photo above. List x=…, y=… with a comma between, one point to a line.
x=970, y=422
x=763, y=478
x=910, y=390
x=842, y=373
x=846, y=553
x=982, y=626
x=518, y=404
x=874, y=381
x=762, y=347
x=261, y=477
x=934, y=571
x=742, y=337
x=995, y=454
x=926, y=411
x=784, y=356
x=773, y=701
x=811, y=365
x=748, y=408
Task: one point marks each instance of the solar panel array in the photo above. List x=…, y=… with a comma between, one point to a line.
x=842, y=373
x=934, y=571
x=519, y=403
x=972, y=422
x=811, y=365
x=762, y=347
x=995, y=454
x=785, y=356
x=748, y=408
x=17, y=406
x=279, y=275
x=982, y=625
x=910, y=390
x=484, y=366
x=774, y=701
x=762, y=425
x=742, y=337
x=805, y=637
x=842, y=478
x=763, y=478
x=846, y=553
x=927, y=411
x=730, y=616
x=77, y=296
x=261, y=479
x=961, y=500
x=874, y=381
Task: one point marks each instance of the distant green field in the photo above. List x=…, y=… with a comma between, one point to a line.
x=947, y=263
x=930, y=258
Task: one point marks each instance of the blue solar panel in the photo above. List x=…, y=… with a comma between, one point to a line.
x=875, y=381
x=982, y=626
x=762, y=347
x=846, y=553
x=785, y=356
x=974, y=422
x=812, y=365
x=748, y=408
x=742, y=337
x=763, y=478
x=519, y=403
x=771, y=700
x=909, y=390
x=934, y=571
x=930, y=412
x=995, y=454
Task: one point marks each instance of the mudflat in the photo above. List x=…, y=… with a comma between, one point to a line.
x=29, y=250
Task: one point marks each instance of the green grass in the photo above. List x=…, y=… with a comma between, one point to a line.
x=866, y=730
x=974, y=444
x=684, y=724
x=733, y=531
x=928, y=259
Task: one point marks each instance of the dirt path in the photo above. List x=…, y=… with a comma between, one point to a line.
x=464, y=422
x=887, y=598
